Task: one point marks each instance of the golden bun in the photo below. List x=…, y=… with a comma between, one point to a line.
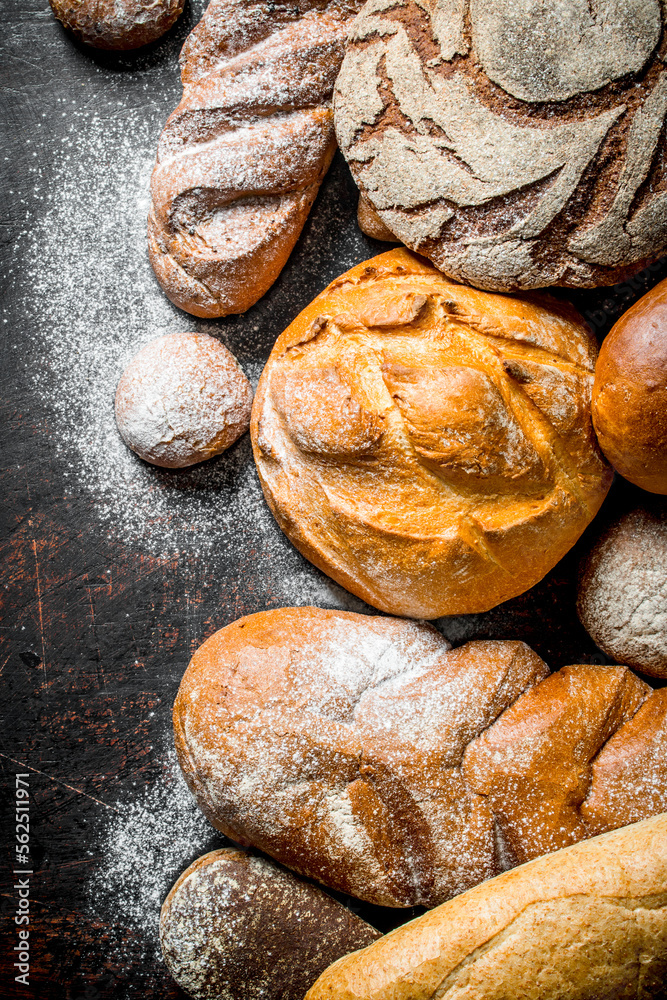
x=630, y=393
x=427, y=445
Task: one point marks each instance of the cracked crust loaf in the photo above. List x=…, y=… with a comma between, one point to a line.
x=515, y=143
x=365, y=753
x=241, y=159
x=117, y=24
x=429, y=446
x=589, y=921
x=237, y=927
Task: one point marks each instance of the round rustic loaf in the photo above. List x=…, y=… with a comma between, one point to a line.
x=364, y=753
x=622, y=597
x=237, y=927
x=117, y=24
x=182, y=399
x=629, y=403
x=516, y=143
x=587, y=922
x=429, y=446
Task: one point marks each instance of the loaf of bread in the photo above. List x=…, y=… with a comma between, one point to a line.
x=516, y=143
x=629, y=403
x=117, y=24
x=365, y=753
x=429, y=446
x=622, y=599
x=236, y=926
x=182, y=399
x=585, y=923
x=241, y=159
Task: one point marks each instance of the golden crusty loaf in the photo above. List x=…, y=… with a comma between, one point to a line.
x=585, y=923
x=365, y=753
x=629, y=403
x=241, y=159
x=237, y=927
x=117, y=24
x=427, y=445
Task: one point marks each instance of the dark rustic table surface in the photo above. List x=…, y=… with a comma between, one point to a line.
x=114, y=571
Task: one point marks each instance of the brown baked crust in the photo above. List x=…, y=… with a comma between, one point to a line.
x=427, y=445
x=371, y=224
x=362, y=752
x=241, y=159
x=515, y=144
x=622, y=596
x=181, y=400
x=588, y=921
x=629, y=401
x=117, y=24
x=236, y=926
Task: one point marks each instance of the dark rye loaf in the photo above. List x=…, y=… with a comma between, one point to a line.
x=237, y=927
x=516, y=143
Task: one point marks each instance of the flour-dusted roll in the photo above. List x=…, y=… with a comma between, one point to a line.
x=241, y=159
x=237, y=927
x=587, y=922
x=117, y=24
x=516, y=143
x=367, y=754
x=182, y=399
x=429, y=446
x=622, y=599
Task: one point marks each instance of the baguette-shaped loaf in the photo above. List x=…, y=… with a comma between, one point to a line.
x=367, y=754
x=241, y=159
x=586, y=923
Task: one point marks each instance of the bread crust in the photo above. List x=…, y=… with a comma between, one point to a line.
x=629, y=402
x=117, y=24
x=364, y=753
x=588, y=921
x=622, y=596
x=429, y=446
x=235, y=925
x=181, y=400
x=241, y=159
x=517, y=144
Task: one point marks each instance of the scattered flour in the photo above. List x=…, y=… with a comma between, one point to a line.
x=92, y=302
x=147, y=843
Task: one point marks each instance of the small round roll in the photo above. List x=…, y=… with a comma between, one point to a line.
x=181, y=400
x=236, y=926
x=622, y=600
x=117, y=24
x=629, y=402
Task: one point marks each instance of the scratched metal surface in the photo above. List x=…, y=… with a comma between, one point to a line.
x=97, y=628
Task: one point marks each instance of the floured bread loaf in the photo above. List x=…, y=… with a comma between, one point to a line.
x=588, y=922
x=241, y=159
x=428, y=446
x=364, y=753
x=237, y=927
x=516, y=143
